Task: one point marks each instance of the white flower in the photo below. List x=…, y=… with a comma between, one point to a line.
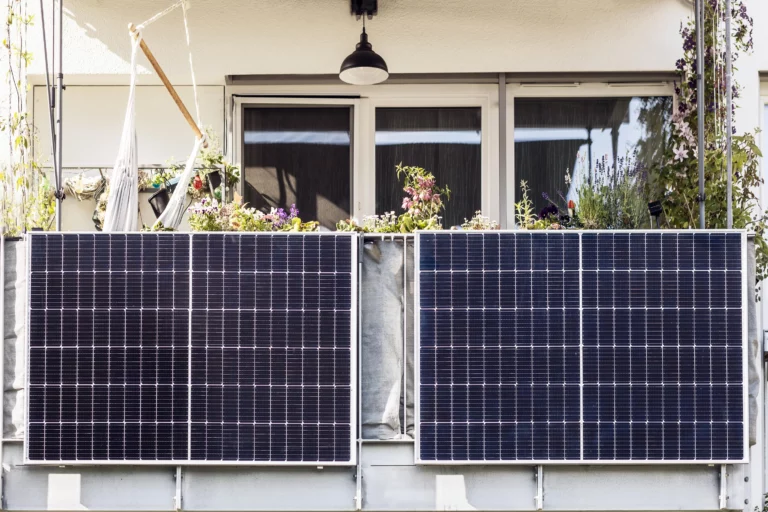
x=681, y=153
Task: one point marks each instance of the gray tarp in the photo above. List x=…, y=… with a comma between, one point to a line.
x=14, y=314
x=755, y=356
x=386, y=293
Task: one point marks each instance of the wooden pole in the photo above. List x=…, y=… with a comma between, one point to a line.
x=167, y=83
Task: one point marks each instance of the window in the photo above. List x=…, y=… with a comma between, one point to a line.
x=553, y=136
x=301, y=155
x=444, y=141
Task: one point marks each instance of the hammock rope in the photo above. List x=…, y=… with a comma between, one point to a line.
x=121, y=212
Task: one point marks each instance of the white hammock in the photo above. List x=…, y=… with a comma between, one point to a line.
x=171, y=217
x=123, y=195
x=122, y=203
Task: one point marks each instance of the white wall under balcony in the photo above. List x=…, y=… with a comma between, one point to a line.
x=424, y=36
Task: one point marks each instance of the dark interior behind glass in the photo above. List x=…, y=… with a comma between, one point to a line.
x=444, y=141
x=556, y=135
x=301, y=155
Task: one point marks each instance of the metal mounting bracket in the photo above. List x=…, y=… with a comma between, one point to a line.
x=723, y=487
x=177, y=499
x=367, y=8
x=538, y=500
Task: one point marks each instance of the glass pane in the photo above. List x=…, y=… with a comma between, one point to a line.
x=556, y=135
x=299, y=155
x=444, y=141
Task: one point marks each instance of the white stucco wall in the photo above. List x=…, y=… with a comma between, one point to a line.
x=313, y=36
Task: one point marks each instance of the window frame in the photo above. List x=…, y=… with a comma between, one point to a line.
x=566, y=90
x=364, y=101
x=242, y=103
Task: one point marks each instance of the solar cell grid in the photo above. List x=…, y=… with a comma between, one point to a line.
x=203, y=348
x=592, y=346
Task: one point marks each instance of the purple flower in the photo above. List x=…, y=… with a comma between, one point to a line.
x=548, y=211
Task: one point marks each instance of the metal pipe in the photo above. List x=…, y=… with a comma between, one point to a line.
x=729, y=111
x=2, y=357
x=404, y=426
x=359, y=419
x=503, y=150
x=60, y=123
x=48, y=93
x=700, y=105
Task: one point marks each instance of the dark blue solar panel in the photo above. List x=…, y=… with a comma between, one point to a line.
x=616, y=346
x=108, y=347
x=272, y=348
x=663, y=357
x=110, y=365
x=499, y=347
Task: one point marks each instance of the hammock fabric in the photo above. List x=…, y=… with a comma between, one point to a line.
x=123, y=198
x=122, y=202
x=171, y=217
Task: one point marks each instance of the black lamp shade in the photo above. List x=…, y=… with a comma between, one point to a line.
x=363, y=66
x=159, y=201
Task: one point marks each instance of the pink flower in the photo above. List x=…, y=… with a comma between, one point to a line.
x=406, y=203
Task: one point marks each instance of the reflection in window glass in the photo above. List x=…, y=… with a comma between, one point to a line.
x=299, y=155
x=444, y=141
x=558, y=135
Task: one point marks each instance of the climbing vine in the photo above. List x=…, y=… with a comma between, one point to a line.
x=26, y=196
x=676, y=178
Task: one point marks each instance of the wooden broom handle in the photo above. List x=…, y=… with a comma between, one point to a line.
x=167, y=83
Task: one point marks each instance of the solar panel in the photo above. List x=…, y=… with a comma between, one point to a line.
x=581, y=347
x=263, y=375
x=272, y=349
